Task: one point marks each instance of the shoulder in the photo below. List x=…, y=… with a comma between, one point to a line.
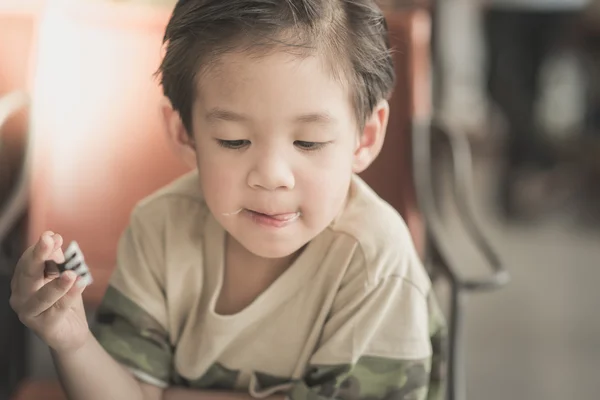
x=163, y=235
x=384, y=246
x=170, y=222
x=179, y=202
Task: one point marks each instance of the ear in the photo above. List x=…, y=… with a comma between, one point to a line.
x=180, y=141
x=370, y=141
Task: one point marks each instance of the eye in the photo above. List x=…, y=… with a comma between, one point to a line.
x=233, y=144
x=309, y=146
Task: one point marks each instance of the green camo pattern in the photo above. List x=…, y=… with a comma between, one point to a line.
x=216, y=378
x=132, y=336
x=372, y=378
x=378, y=378
x=137, y=340
x=438, y=332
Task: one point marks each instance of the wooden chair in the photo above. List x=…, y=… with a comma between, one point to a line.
x=391, y=175
x=17, y=23
x=16, y=30
x=98, y=146
x=413, y=133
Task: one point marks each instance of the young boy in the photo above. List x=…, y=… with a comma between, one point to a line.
x=272, y=270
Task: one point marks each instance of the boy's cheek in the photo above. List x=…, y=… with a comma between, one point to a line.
x=218, y=183
x=327, y=187
x=326, y=176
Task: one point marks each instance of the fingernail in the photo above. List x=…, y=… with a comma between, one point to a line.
x=67, y=276
x=46, y=244
x=50, y=239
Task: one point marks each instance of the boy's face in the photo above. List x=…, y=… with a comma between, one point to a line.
x=276, y=141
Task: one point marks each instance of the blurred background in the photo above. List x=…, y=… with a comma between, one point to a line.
x=517, y=81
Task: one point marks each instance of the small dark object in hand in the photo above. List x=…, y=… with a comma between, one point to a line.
x=75, y=262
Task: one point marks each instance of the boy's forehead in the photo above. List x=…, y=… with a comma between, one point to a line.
x=281, y=78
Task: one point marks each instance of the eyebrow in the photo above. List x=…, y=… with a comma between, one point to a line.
x=315, y=118
x=220, y=114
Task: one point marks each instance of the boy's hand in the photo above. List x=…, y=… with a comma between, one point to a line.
x=48, y=303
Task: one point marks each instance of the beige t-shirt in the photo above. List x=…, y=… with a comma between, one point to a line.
x=353, y=314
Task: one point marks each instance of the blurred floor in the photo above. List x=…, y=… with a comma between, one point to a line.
x=539, y=337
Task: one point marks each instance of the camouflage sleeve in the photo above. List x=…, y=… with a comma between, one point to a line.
x=371, y=378
x=383, y=377
x=134, y=338
x=131, y=322
x=438, y=333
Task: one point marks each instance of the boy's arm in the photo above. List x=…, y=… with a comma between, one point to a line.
x=104, y=378
x=187, y=394
x=90, y=373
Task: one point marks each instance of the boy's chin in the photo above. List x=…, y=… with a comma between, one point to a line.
x=273, y=250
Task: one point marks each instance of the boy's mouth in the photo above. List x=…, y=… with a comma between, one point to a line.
x=277, y=220
x=278, y=216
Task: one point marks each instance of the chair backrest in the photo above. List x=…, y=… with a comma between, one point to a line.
x=98, y=142
x=16, y=30
x=17, y=23
x=391, y=175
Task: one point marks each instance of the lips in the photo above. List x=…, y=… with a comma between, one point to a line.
x=273, y=220
x=287, y=216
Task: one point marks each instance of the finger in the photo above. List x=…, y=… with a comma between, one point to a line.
x=51, y=270
x=29, y=273
x=57, y=254
x=49, y=294
x=32, y=267
x=73, y=295
x=58, y=242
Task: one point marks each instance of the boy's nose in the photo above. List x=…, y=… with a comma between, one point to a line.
x=271, y=172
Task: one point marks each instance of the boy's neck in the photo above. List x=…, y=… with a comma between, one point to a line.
x=238, y=256
x=246, y=276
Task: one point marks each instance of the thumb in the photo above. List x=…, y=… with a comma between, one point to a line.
x=73, y=296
